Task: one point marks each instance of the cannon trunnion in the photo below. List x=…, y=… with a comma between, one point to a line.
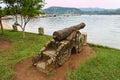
x=57, y=51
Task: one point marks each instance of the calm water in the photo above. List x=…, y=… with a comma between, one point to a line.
x=101, y=29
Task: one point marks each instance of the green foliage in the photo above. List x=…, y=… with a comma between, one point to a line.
x=104, y=65
x=26, y=8
x=2, y=13
x=9, y=2
x=30, y=7
x=19, y=49
x=11, y=8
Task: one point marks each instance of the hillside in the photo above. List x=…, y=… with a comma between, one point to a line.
x=88, y=11
x=62, y=10
x=91, y=9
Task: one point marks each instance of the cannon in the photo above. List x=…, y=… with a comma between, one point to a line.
x=63, y=34
x=58, y=50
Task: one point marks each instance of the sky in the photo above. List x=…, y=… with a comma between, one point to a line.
x=108, y=4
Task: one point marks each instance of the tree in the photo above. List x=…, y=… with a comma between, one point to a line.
x=26, y=8
x=1, y=15
x=12, y=7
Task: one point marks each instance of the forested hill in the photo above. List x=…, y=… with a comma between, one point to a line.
x=62, y=10
x=90, y=11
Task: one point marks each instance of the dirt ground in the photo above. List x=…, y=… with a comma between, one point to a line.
x=4, y=44
x=24, y=70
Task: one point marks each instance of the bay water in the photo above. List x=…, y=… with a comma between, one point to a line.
x=100, y=29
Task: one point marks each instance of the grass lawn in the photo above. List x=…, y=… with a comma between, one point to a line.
x=104, y=65
x=19, y=49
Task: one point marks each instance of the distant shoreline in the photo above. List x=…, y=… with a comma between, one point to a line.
x=5, y=26
x=7, y=17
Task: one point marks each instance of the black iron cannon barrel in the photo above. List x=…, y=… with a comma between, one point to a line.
x=64, y=33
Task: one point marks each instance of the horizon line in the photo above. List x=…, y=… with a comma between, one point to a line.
x=79, y=7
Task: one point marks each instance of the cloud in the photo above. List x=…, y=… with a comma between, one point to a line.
x=84, y=3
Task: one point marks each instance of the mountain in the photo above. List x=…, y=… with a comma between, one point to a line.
x=62, y=10
x=81, y=11
x=92, y=9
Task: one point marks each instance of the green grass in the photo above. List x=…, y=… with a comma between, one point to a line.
x=104, y=65
x=19, y=50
